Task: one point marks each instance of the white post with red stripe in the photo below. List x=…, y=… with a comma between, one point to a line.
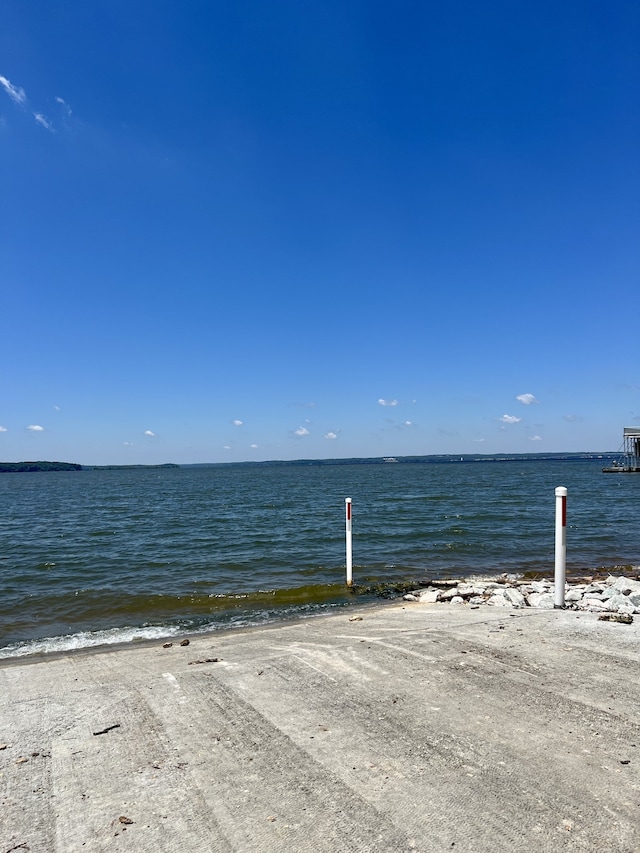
x=561, y=545
x=347, y=502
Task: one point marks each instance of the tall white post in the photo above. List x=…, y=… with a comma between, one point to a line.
x=561, y=545
x=347, y=502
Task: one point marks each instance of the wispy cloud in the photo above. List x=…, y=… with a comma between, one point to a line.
x=253, y=446
x=35, y=428
x=301, y=431
x=403, y=425
x=382, y=402
x=527, y=399
x=3, y=429
x=510, y=419
x=535, y=438
x=64, y=105
x=18, y=95
x=573, y=419
x=149, y=433
x=43, y=121
x=237, y=423
x=331, y=435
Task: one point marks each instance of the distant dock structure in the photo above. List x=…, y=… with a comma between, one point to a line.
x=629, y=461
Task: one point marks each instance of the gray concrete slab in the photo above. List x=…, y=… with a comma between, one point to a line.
x=420, y=727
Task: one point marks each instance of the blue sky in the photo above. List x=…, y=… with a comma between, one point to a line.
x=286, y=230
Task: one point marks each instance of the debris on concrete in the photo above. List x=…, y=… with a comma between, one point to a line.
x=623, y=618
x=108, y=729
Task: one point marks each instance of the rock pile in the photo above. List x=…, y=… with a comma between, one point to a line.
x=613, y=594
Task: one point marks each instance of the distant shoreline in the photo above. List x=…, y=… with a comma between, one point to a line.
x=430, y=459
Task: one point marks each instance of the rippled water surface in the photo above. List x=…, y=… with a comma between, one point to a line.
x=99, y=556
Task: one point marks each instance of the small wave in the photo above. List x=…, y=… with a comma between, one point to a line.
x=128, y=634
x=87, y=640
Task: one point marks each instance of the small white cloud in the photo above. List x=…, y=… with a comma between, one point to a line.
x=510, y=419
x=301, y=431
x=253, y=446
x=57, y=408
x=128, y=443
x=573, y=419
x=382, y=402
x=535, y=438
x=35, y=428
x=237, y=423
x=43, y=121
x=150, y=433
x=478, y=439
x=226, y=447
x=3, y=429
x=331, y=435
x=64, y=104
x=527, y=399
x=408, y=423
x=18, y=95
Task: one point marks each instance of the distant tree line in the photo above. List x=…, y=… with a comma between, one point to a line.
x=127, y=467
x=20, y=467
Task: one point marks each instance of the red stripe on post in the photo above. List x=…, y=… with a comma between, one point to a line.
x=564, y=510
x=349, y=511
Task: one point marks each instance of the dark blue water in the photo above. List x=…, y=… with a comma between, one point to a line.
x=102, y=556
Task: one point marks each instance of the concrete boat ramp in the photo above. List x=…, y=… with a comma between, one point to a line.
x=405, y=727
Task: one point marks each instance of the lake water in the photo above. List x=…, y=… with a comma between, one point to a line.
x=102, y=556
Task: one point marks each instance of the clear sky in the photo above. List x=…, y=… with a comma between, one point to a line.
x=317, y=228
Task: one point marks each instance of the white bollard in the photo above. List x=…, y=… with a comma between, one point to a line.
x=347, y=502
x=561, y=545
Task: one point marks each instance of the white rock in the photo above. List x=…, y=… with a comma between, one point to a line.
x=620, y=604
x=468, y=589
x=595, y=588
x=610, y=592
x=410, y=597
x=476, y=599
x=626, y=585
x=573, y=595
x=591, y=603
x=540, y=586
x=541, y=600
x=457, y=599
x=515, y=597
x=634, y=597
x=448, y=594
x=429, y=596
x=498, y=600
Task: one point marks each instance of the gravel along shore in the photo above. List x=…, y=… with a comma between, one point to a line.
x=612, y=596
